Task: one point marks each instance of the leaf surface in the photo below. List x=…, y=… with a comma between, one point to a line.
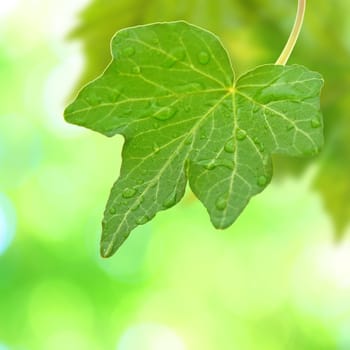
x=171, y=92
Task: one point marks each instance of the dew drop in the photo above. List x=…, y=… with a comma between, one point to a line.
x=227, y=163
x=256, y=109
x=165, y=113
x=137, y=204
x=169, y=202
x=203, y=136
x=156, y=148
x=160, y=102
x=112, y=211
x=195, y=86
x=203, y=57
x=189, y=140
x=136, y=70
x=155, y=125
x=142, y=220
x=261, y=147
x=210, y=166
x=129, y=192
x=155, y=41
x=111, y=95
x=129, y=51
x=93, y=98
x=262, y=180
x=183, y=88
x=241, y=134
x=169, y=62
x=316, y=151
x=116, y=95
x=153, y=184
x=221, y=203
x=211, y=103
x=230, y=146
x=179, y=53
x=315, y=123
x=124, y=34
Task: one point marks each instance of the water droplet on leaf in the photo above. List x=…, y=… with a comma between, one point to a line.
x=203, y=57
x=155, y=41
x=179, y=53
x=137, y=204
x=94, y=98
x=241, y=134
x=262, y=180
x=142, y=220
x=227, y=163
x=165, y=113
x=256, y=109
x=169, y=62
x=315, y=123
x=129, y=51
x=153, y=184
x=211, y=103
x=189, y=140
x=171, y=201
x=112, y=211
x=136, y=70
x=203, y=136
x=156, y=148
x=259, y=145
x=221, y=203
x=230, y=146
x=129, y=192
x=210, y=166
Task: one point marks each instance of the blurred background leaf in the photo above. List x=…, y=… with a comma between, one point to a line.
x=254, y=32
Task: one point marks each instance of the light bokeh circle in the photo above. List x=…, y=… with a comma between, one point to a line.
x=149, y=336
x=7, y=223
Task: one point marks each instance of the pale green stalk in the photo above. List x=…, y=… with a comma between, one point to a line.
x=288, y=49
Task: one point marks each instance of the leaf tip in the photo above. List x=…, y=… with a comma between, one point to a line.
x=109, y=244
x=106, y=249
x=222, y=223
x=68, y=113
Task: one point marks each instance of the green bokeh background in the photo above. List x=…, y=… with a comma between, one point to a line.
x=276, y=279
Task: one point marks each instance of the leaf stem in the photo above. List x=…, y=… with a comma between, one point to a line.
x=293, y=37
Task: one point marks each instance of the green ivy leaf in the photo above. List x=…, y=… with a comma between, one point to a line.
x=171, y=92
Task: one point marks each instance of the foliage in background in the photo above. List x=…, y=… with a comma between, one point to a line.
x=255, y=33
